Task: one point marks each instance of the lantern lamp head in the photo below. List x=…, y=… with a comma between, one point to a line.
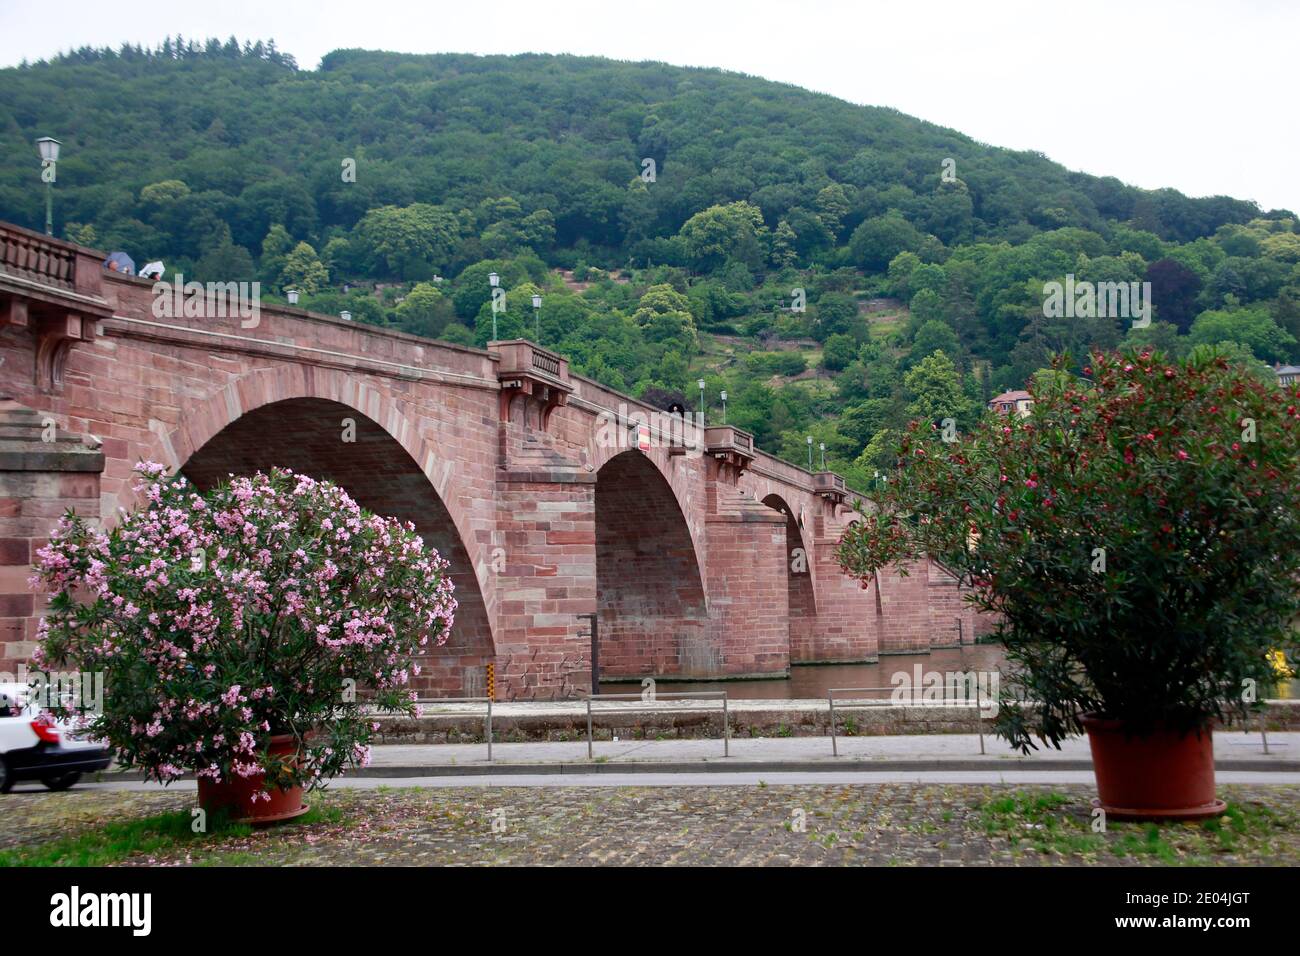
x=49, y=148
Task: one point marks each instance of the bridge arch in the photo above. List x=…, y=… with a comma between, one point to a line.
x=650, y=594
x=333, y=426
x=799, y=567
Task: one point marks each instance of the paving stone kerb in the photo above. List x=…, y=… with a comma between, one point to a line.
x=567, y=721
x=703, y=559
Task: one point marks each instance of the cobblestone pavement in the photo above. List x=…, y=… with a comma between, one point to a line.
x=721, y=825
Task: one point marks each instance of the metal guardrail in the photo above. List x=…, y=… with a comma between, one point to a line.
x=487, y=729
x=701, y=695
x=851, y=704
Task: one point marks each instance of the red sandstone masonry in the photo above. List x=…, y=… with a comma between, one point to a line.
x=690, y=569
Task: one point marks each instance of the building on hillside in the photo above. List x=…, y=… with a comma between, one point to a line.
x=1017, y=402
x=1287, y=375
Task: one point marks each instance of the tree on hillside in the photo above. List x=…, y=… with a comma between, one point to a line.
x=664, y=316
x=410, y=242
x=275, y=253
x=303, y=270
x=879, y=240
x=1250, y=326
x=839, y=351
x=935, y=336
x=224, y=261
x=1174, y=288
x=934, y=389
x=425, y=311
x=835, y=313
x=732, y=231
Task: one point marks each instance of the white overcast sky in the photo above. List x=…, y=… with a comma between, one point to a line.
x=1198, y=94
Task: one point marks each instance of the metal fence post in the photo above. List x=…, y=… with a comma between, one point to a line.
x=489, y=728
x=830, y=700
x=588, y=728
x=979, y=714
x=726, y=732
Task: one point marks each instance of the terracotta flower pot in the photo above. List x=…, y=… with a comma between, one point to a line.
x=236, y=794
x=1162, y=775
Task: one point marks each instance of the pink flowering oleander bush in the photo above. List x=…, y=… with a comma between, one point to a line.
x=257, y=609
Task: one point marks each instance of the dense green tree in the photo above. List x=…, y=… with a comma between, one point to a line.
x=935, y=336
x=425, y=311
x=223, y=261
x=934, y=390
x=836, y=312
x=723, y=232
x=877, y=241
x=276, y=247
x=303, y=270
x=839, y=352
x=1250, y=326
x=409, y=242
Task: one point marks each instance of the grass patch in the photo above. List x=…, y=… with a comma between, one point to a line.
x=156, y=834
x=1053, y=824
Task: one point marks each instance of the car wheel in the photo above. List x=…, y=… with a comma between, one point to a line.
x=6, y=778
x=62, y=781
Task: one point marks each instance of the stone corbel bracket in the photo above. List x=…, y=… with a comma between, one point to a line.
x=55, y=336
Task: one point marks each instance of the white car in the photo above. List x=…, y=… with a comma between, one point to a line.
x=33, y=746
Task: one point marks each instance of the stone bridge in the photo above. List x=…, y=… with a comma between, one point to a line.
x=551, y=495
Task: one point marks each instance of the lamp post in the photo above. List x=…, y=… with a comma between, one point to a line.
x=700, y=383
x=49, y=149
x=345, y=315
x=810, y=452
x=537, y=319
x=724, y=406
x=822, y=446
x=292, y=296
x=494, y=281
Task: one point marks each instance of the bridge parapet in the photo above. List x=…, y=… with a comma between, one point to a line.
x=53, y=289
x=537, y=374
x=830, y=486
x=731, y=449
x=49, y=262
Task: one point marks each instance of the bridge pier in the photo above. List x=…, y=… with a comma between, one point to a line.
x=44, y=472
x=749, y=610
x=848, y=623
x=546, y=529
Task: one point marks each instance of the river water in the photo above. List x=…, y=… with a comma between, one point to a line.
x=813, y=680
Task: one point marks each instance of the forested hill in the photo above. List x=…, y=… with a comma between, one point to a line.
x=665, y=213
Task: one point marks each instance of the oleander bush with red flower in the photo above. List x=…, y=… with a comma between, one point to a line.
x=259, y=608
x=1138, y=536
